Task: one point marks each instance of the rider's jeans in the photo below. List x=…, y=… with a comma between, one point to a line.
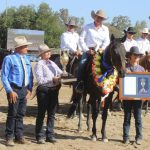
x=82, y=65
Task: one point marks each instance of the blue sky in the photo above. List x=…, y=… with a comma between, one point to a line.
x=134, y=9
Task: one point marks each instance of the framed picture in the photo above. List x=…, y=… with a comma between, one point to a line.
x=135, y=86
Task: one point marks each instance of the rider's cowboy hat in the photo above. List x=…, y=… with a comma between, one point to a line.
x=134, y=50
x=99, y=13
x=43, y=48
x=21, y=41
x=130, y=30
x=71, y=22
x=145, y=30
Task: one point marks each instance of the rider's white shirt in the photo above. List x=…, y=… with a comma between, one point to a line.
x=129, y=43
x=143, y=45
x=69, y=41
x=91, y=35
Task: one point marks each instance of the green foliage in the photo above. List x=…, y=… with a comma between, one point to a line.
x=121, y=22
x=53, y=23
x=42, y=18
x=139, y=25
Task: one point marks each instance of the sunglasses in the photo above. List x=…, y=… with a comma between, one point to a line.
x=131, y=33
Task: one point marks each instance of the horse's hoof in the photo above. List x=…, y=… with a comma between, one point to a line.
x=93, y=138
x=88, y=129
x=105, y=140
x=82, y=116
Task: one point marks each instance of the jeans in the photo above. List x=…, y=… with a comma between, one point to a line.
x=136, y=106
x=47, y=101
x=16, y=112
x=82, y=65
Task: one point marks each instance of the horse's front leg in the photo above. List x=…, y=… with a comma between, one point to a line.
x=104, y=117
x=80, y=114
x=88, y=116
x=94, y=117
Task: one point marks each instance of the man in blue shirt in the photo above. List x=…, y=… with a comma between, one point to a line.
x=17, y=79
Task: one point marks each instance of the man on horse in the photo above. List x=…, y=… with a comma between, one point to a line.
x=129, y=38
x=143, y=42
x=70, y=39
x=94, y=37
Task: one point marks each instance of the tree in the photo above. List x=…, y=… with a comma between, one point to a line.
x=121, y=22
x=43, y=18
x=139, y=25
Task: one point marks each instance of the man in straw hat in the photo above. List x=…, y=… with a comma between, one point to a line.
x=142, y=42
x=70, y=39
x=17, y=79
x=95, y=34
x=48, y=77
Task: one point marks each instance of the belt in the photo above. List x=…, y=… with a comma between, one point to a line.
x=16, y=86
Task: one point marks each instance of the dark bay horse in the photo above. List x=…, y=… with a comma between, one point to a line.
x=115, y=57
x=3, y=53
x=145, y=62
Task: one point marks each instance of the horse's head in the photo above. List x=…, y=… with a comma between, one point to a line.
x=145, y=62
x=117, y=54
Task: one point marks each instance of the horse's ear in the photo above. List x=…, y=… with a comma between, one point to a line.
x=123, y=39
x=112, y=38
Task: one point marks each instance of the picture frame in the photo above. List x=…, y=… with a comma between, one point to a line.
x=135, y=86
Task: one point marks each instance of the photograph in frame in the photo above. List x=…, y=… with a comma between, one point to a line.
x=135, y=86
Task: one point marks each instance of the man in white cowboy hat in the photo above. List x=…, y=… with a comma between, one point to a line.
x=48, y=77
x=93, y=34
x=70, y=39
x=17, y=79
x=143, y=42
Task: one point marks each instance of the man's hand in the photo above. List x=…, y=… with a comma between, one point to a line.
x=78, y=52
x=13, y=97
x=56, y=79
x=91, y=51
x=28, y=94
x=100, y=50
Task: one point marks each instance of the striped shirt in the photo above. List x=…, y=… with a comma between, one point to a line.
x=45, y=71
x=13, y=72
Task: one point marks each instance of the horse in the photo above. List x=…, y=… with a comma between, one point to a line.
x=145, y=62
x=115, y=57
x=71, y=69
x=3, y=53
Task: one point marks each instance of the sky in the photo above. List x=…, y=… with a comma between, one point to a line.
x=136, y=10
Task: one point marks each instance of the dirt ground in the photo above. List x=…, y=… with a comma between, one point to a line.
x=66, y=129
